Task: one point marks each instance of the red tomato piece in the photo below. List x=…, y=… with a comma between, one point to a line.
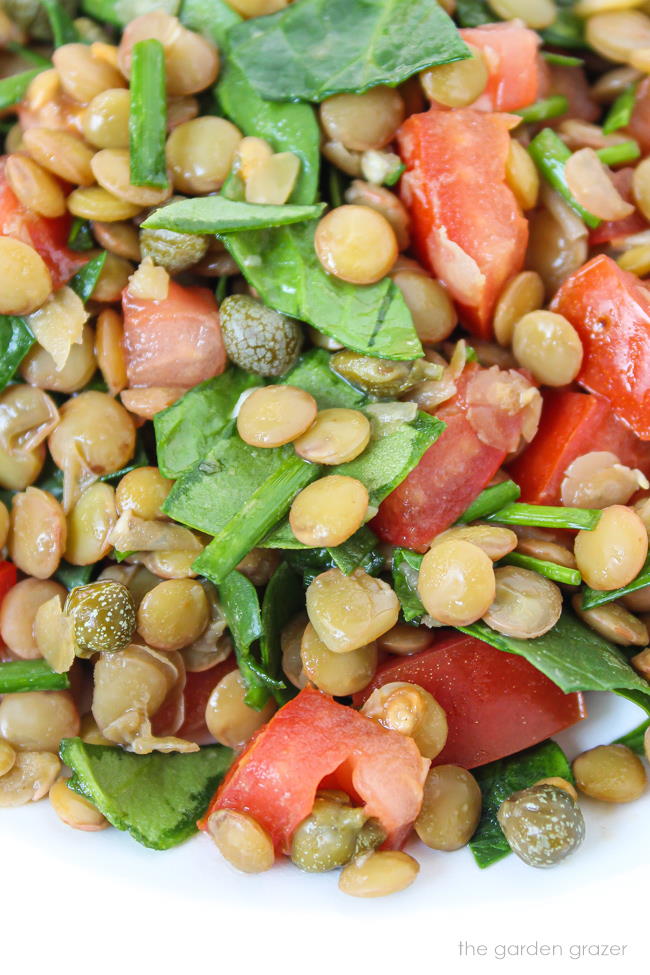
x=510, y=51
x=639, y=127
x=572, y=424
x=467, y=226
x=496, y=703
x=175, y=341
x=7, y=578
x=198, y=688
x=313, y=738
x=48, y=236
x=609, y=230
x=610, y=310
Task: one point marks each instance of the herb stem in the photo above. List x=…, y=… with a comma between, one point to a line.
x=620, y=112
x=550, y=155
x=546, y=516
x=491, y=500
x=544, y=109
x=19, y=676
x=622, y=153
x=148, y=117
x=550, y=570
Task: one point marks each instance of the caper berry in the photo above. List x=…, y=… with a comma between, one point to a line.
x=542, y=824
x=381, y=377
x=172, y=250
x=257, y=338
x=103, y=614
x=328, y=837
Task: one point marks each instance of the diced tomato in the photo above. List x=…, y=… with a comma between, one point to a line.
x=610, y=310
x=198, y=688
x=175, y=341
x=313, y=738
x=510, y=51
x=639, y=127
x=611, y=229
x=7, y=578
x=48, y=236
x=572, y=424
x=467, y=226
x=496, y=703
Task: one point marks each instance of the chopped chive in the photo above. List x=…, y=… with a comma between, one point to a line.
x=490, y=500
x=393, y=176
x=148, y=117
x=13, y=88
x=221, y=290
x=596, y=597
x=544, y=109
x=19, y=676
x=620, y=111
x=550, y=570
x=566, y=60
x=550, y=154
x=622, y=153
x=33, y=57
x=546, y=516
x=63, y=28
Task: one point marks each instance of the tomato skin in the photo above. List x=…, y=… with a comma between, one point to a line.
x=467, y=226
x=175, y=341
x=510, y=51
x=572, y=424
x=609, y=230
x=198, y=688
x=7, y=578
x=610, y=310
x=48, y=236
x=496, y=703
x=313, y=738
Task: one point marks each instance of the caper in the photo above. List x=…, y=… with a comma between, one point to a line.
x=542, y=824
x=371, y=836
x=328, y=837
x=170, y=249
x=382, y=377
x=103, y=614
x=257, y=338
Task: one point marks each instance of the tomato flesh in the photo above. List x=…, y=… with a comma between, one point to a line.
x=311, y=739
x=510, y=52
x=496, y=703
x=198, y=688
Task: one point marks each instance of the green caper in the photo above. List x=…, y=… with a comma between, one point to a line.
x=371, y=836
x=103, y=614
x=328, y=837
x=542, y=824
x=382, y=377
x=257, y=338
x=172, y=250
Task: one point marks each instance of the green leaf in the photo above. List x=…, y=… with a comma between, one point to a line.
x=316, y=48
x=15, y=342
x=157, y=798
x=85, y=280
x=121, y=12
x=572, y=656
x=148, y=115
x=13, y=88
x=491, y=500
x=186, y=430
x=546, y=516
x=635, y=739
x=217, y=215
x=474, y=13
x=80, y=237
x=498, y=781
x=63, y=28
x=19, y=676
x=211, y=18
x=281, y=264
x=284, y=597
x=241, y=607
x=550, y=154
x=406, y=568
x=73, y=575
x=566, y=31
x=596, y=597
x=550, y=570
x=313, y=374
x=359, y=549
x=620, y=112
x=288, y=128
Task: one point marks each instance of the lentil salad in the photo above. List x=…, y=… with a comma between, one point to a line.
x=324, y=422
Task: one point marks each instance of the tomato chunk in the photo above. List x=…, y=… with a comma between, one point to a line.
x=198, y=688
x=175, y=341
x=610, y=309
x=496, y=702
x=467, y=226
x=313, y=738
x=510, y=51
x=572, y=424
x=48, y=236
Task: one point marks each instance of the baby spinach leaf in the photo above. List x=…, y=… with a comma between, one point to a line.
x=359, y=549
x=406, y=568
x=13, y=88
x=281, y=264
x=73, y=575
x=313, y=374
x=187, y=429
x=19, y=676
x=157, y=798
x=635, y=739
x=287, y=127
x=80, y=237
x=85, y=280
x=316, y=48
x=218, y=215
x=596, y=597
x=474, y=13
x=284, y=597
x=500, y=779
x=15, y=342
x=211, y=18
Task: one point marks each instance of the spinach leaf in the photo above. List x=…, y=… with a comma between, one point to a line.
x=211, y=18
x=288, y=128
x=73, y=575
x=474, y=13
x=359, y=549
x=80, y=237
x=15, y=342
x=13, y=88
x=85, y=280
x=406, y=568
x=281, y=264
x=573, y=657
x=313, y=374
x=596, y=597
x=635, y=739
x=284, y=597
x=316, y=48
x=217, y=215
x=187, y=429
x=500, y=779
x=157, y=798
x=19, y=676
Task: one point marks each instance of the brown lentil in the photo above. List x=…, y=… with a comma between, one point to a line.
x=611, y=773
